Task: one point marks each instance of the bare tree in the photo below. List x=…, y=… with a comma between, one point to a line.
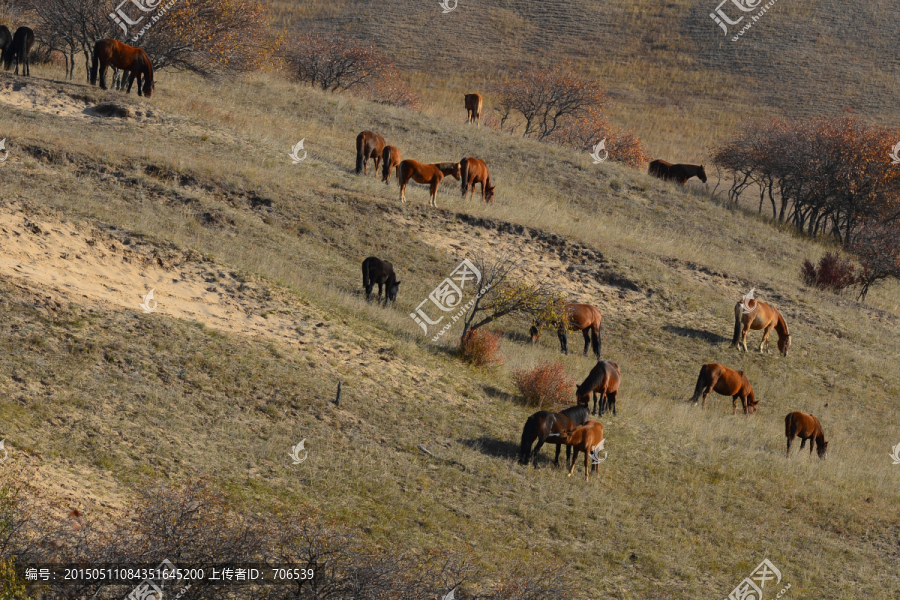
x=333, y=62
x=877, y=248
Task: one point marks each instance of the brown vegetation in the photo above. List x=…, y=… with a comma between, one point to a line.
x=546, y=386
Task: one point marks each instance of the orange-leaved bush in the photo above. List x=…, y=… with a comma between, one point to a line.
x=547, y=386
x=481, y=347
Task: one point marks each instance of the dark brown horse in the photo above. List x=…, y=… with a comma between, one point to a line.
x=431, y=174
x=580, y=317
x=807, y=428
x=603, y=380
x=390, y=160
x=679, y=173
x=755, y=314
x=133, y=60
x=728, y=382
x=587, y=439
x=368, y=145
x=472, y=171
x=473, y=108
x=18, y=49
x=381, y=272
x=545, y=426
x=5, y=40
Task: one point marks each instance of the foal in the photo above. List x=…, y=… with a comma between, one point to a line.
x=587, y=438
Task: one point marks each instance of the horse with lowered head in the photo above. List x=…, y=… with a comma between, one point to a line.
x=750, y=314
x=728, y=382
x=679, y=173
x=390, y=159
x=474, y=171
x=5, y=39
x=603, y=380
x=134, y=61
x=473, y=108
x=579, y=317
x=545, y=426
x=431, y=174
x=381, y=272
x=587, y=439
x=17, y=50
x=807, y=428
x=368, y=145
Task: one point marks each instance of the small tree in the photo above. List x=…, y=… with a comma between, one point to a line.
x=877, y=247
x=547, y=386
x=333, y=62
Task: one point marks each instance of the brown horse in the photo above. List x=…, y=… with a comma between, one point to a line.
x=545, y=426
x=473, y=108
x=5, y=40
x=114, y=53
x=808, y=428
x=18, y=49
x=677, y=172
x=728, y=382
x=421, y=173
x=754, y=314
x=580, y=317
x=368, y=145
x=604, y=379
x=473, y=171
x=390, y=159
x=587, y=438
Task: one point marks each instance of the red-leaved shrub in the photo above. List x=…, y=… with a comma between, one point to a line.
x=481, y=347
x=547, y=386
x=833, y=273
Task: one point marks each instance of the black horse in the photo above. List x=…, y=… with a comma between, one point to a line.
x=543, y=425
x=5, y=38
x=381, y=272
x=18, y=50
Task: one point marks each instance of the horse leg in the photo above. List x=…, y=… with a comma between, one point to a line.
x=434, y=186
x=708, y=389
x=789, y=440
x=587, y=470
x=537, y=449
x=377, y=164
x=611, y=400
x=574, y=458
x=402, y=189
x=103, y=67
x=810, y=447
x=586, y=332
x=380, y=288
x=568, y=454
x=556, y=459
x=563, y=341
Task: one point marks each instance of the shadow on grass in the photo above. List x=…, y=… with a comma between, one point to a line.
x=493, y=447
x=518, y=336
x=499, y=394
x=712, y=338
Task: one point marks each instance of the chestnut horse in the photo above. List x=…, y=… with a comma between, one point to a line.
x=381, y=272
x=18, y=49
x=587, y=438
x=473, y=108
x=544, y=426
x=581, y=317
x=754, y=314
x=390, y=159
x=808, y=428
x=728, y=382
x=472, y=171
x=368, y=145
x=421, y=173
x=114, y=53
x=604, y=379
x=678, y=172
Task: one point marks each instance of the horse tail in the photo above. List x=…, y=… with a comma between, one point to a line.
x=464, y=176
x=738, y=325
x=701, y=383
x=95, y=63
x=360, y=148
x=529, y=434
x=386, y=166
x=596, y=341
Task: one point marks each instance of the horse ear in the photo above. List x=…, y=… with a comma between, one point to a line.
x=398, y=283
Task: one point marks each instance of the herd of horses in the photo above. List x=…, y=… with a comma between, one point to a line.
x=15, y=48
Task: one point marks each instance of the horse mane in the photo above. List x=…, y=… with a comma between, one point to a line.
x=781, y=324
x=572, y=410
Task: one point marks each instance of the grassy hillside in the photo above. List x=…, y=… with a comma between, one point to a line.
x=255, y=264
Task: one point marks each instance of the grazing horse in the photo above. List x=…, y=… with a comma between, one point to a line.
x=381, y=272
x=368, y=145
x=580, y=317
x=754, y=314
x=472, y=171
x=544, y=426
x=728, y=382
x=129, y=59
x=5, y=39
x=421, y=173
x=390, y=159
x=587, y=438
x=473, y=108
x=680, y=173
x=604, y=379
x=808, y=428
x=18, y=49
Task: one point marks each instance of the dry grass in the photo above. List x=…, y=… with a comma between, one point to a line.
x=700, y=498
